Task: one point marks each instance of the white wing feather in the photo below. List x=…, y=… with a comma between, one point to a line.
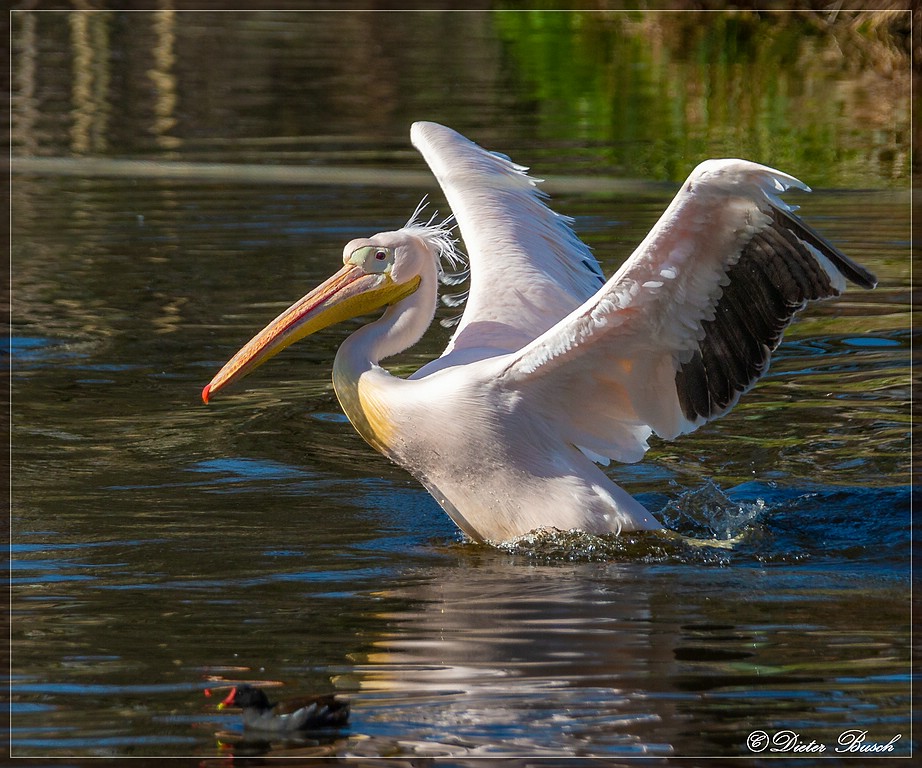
x=606, y=375
x=528, y=268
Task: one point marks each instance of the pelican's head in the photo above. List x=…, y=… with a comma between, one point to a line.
x=377, y=271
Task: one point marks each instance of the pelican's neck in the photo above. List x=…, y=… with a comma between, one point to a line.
x=400, y=327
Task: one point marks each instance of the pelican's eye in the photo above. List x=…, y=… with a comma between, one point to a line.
x=373, y=258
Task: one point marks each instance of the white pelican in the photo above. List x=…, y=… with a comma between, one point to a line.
x=552, y=370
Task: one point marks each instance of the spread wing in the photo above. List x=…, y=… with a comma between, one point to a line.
x=528, y=268
x=689, y=322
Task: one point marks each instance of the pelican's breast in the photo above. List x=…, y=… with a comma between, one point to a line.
x=365, y=409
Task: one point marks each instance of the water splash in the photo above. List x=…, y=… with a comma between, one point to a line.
x=704, y=525
x=553, y=545
x=708, y=513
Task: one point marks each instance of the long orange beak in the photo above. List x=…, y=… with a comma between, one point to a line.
x=349, y=293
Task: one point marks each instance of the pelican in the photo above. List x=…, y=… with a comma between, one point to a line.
x=552, y=371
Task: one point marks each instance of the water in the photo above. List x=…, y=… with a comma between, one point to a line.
x=179, y=178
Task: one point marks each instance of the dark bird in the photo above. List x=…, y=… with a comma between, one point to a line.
x=290, y=716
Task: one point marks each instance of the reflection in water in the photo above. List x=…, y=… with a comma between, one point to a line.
x=686, y=100
x=91, y=79
x=23, y=99
x=513, y=649
x=161, y=74
x=648, y=95
x=501, y=646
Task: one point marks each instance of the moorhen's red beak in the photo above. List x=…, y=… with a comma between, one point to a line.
x=230, y=700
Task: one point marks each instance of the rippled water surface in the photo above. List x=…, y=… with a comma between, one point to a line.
x=179, y=178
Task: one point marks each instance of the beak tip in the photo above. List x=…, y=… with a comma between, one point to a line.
x=206, y=393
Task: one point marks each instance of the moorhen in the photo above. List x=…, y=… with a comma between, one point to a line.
x=290, y=716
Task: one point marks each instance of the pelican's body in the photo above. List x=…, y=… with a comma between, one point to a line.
x=487, y=434
x=552, y=370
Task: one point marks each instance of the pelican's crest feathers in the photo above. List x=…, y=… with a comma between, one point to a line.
x=439, y=237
